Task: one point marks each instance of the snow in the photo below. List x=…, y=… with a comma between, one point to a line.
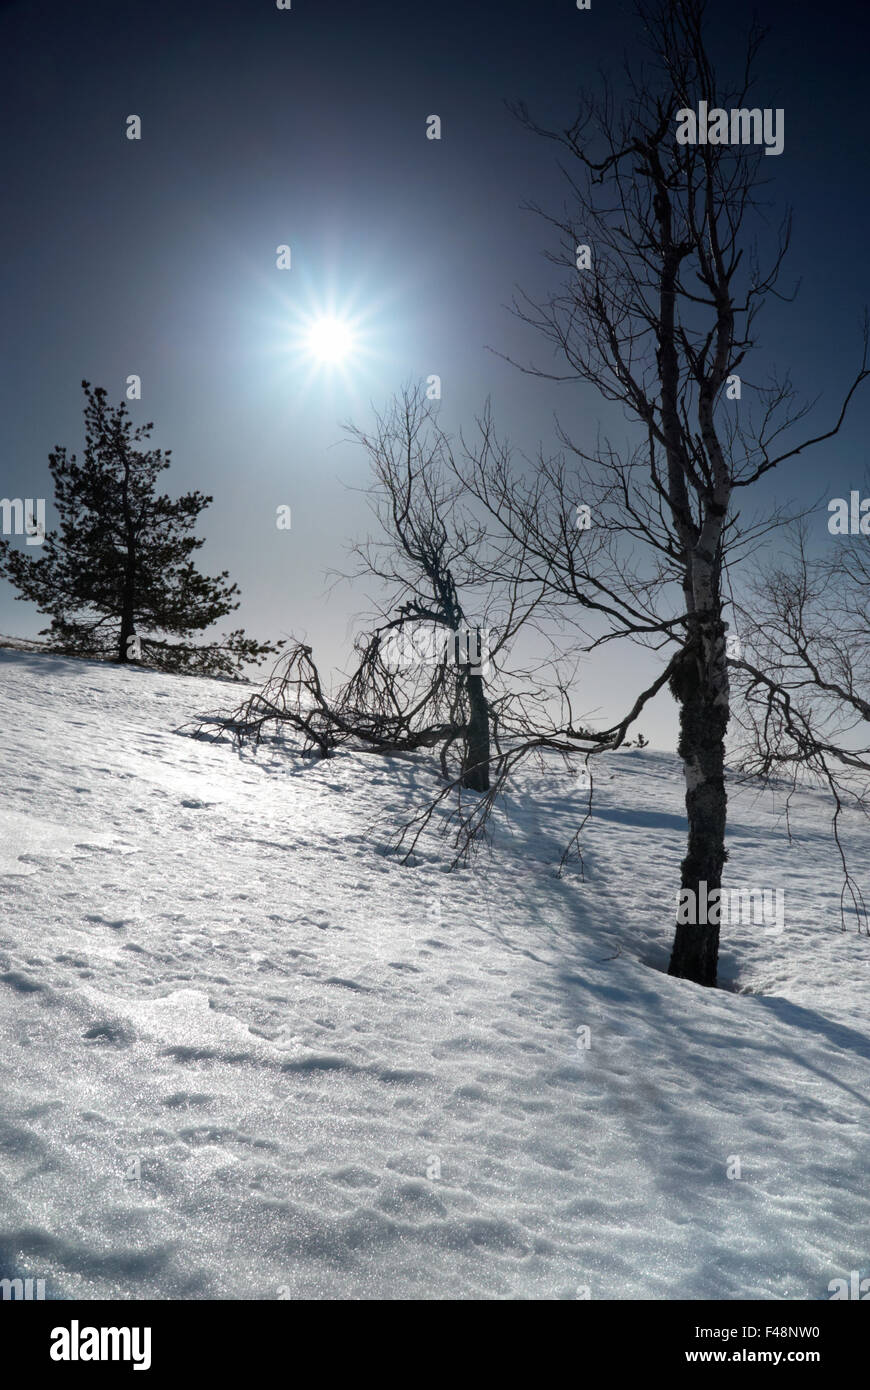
x=249, y=1055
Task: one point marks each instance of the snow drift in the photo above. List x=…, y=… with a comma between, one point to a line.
x=248, y=1055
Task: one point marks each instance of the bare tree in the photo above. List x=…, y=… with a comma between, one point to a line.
x=431, y=662
x=295, y=698
x=658, y=314
x=426, y=559
x=802, y=677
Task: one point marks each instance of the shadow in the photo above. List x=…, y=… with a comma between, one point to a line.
x=47, y=663
x=11, y=1272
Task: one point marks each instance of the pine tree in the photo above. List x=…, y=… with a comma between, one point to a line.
x=118, y=578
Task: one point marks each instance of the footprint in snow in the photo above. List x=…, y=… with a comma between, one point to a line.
x=111, y=1031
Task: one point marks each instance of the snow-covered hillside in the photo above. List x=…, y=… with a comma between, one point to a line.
x=247, y=1055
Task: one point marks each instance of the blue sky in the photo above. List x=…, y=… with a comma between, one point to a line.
x=307, y=127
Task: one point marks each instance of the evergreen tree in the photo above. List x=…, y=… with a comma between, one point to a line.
x=119, y=576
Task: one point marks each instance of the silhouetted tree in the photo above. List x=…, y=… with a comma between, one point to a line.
x=802, y=675
x=119, y=574
x=440, y=619
x=430, y=667
x=658, y=314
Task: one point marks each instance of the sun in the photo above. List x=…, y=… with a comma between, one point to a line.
x=330, y=340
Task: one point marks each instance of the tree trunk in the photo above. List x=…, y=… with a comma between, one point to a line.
x=476, y=768
x=128, y=619
x=128, y=630
x=701, y=687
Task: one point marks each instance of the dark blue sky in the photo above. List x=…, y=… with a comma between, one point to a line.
x=307, y=127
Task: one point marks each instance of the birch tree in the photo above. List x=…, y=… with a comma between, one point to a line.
x=656, y=309
x=802, y=676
